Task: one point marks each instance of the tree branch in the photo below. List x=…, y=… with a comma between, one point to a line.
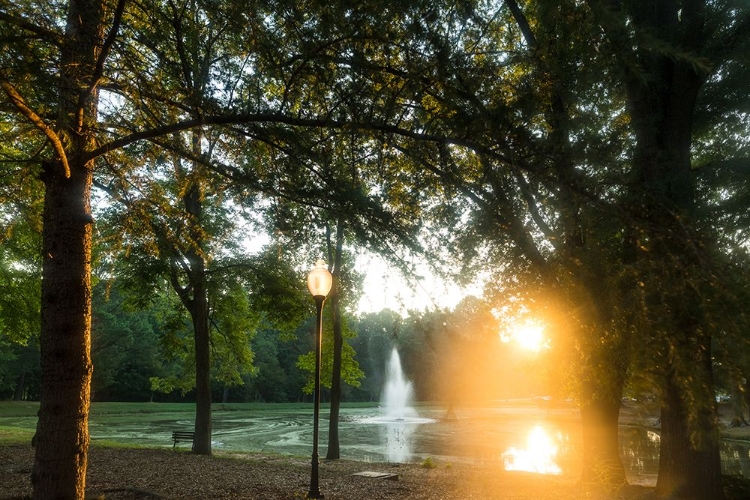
x=17, y=100
x=22, y=23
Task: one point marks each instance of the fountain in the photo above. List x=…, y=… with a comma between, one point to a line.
x=397, y=392
x=400, y=419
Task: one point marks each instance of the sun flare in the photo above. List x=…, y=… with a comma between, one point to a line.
x=538, y=456
x=530, y=335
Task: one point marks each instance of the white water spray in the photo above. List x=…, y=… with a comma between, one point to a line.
x=399, y=419
x=397, y=393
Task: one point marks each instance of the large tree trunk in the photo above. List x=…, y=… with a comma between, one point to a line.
x=683, y=449
x=661, y=92
x=62, y=435
x=602, y=465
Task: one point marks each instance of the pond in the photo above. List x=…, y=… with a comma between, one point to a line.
x=526, y=438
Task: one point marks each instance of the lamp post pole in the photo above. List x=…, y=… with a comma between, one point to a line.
x=314, y=485
x=319, y=282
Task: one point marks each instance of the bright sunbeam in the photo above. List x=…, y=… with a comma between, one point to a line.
x=538, y=455
x=530, y=335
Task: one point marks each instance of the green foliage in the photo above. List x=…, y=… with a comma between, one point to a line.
x=277, y=377
x=233, y=327
x=20, y=270
x=350, y=371
x=123, y=347
x=164, y=385
x=277, y=289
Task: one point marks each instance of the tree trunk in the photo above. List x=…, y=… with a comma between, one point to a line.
x=194, y=296
x=737, y=401
x=334, y=452
x=62, y=435
x=688, y=470
x=198, y=307
x=20, y=386
x=602, y=465
x=202, y=442
x=661, y=96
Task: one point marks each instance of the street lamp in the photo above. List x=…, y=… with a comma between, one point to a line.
x=319, y=283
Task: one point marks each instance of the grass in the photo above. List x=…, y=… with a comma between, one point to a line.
x=10, y=435
x=18, y=419
x=12, y=409
x=18, y=409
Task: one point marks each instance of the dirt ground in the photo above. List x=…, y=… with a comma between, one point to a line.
x=130, y=474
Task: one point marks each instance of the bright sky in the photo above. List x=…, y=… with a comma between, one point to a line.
x=384, y=287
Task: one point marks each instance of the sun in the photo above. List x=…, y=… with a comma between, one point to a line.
x=530, y=335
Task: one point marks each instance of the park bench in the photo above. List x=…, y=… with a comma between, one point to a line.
x=178, y=436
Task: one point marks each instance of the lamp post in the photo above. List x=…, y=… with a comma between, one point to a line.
x=319, y=282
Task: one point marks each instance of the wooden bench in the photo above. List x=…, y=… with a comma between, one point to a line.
x=178, y=436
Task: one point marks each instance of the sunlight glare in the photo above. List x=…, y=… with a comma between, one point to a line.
x=529, y=335
x=538, y=456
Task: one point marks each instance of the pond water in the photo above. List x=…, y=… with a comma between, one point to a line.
x=524, y=438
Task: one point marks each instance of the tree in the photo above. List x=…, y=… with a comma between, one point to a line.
x=678, y=48
x=533, y=128
x=66, y=287
x=82, y=50
x=123, y=347
x=20, y=272
x=372, y=346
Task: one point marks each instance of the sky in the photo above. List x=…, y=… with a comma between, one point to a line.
x=384, y=287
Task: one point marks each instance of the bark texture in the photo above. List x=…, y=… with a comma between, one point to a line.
x=62, y=435
x=194, y=297
x=333, y=452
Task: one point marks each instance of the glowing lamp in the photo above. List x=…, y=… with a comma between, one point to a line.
x=319, y=280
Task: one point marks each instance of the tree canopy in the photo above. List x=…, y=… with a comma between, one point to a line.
x=588, y=159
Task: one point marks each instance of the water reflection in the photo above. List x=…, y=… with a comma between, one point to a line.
x=398, y=441
x=640, y=453
x=515, y=438
x=735, y=458
x=539, y=455
x=639, y=449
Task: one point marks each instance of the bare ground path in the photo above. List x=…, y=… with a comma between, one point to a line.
x=140, y=473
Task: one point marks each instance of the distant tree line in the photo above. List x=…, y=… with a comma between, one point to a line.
x=133, y=356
